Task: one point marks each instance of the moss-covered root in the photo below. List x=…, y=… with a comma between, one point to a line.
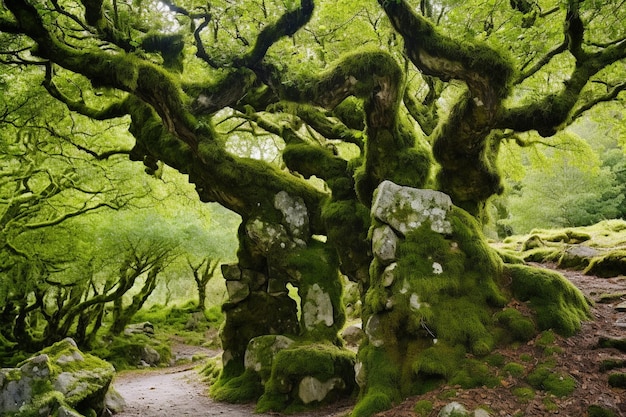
x=557, y=303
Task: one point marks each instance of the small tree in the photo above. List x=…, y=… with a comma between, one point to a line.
x=203, y=272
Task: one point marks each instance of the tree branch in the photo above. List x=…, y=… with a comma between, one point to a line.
x=287, y=25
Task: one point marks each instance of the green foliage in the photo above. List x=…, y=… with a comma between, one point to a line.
x=573, y=189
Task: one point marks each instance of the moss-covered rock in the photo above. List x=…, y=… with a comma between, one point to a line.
x=307, y=374
x=58, y=377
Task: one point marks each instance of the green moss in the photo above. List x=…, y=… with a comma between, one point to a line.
x=383, y=377
x=241, y=389
x=439, y=360
x=556, y=383
x=423, y=408
x=514, y=369
x=317, y=269
x=608, y=364
x=520, y=328
x=617, y=380
x=372, y=404
x=609, y=342
x=495, y=359
x=610, y=265
x=524, y=394
x=546, y=339
x=598, y=411
x=313, y=160
x=525, y=357
x=557, y=303
x=474, y=373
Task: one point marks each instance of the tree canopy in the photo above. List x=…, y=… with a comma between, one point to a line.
x=280, y=109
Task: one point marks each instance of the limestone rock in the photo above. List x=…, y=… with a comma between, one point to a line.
x=388, y=276
x=269, y=236
x=384, y=244
x=311, y=389
x=353, y=335
x=262, y=350
x=317, y=308
x=150, y=356
x=453, y=409
x=295, y=215
x=140, y=328
x=374, y=332
x=406, y=208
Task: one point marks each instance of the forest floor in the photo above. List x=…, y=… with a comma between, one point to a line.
x=178, y=391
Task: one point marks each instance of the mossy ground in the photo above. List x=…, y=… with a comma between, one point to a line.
x=597, y=250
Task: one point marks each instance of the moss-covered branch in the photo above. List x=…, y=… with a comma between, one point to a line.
x=113, y=110
x=487, y=72
x=322, y=122
x=287, y=25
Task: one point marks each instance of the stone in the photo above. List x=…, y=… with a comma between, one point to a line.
x=374, y=332
x=406, y=208
x=64, y=411
x=311, y=389
x=360, y=374
x=262, y=350
x=269, y=236
x=384, y=244
x=254, y=279
x=146, y=328
x=231, y=272
x=353, y=335
x=453, y=409
x=74, y=380
x=481, y=412
x=621, y=306
x=237, y=291
x=388, y=276
x=114, y=401
x=317, y=308
x=295, y=215
x=150, y=356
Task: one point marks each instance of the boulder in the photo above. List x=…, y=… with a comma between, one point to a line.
x=59, y=381
x=406, y=208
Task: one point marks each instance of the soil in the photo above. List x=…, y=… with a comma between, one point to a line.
x=178, y=391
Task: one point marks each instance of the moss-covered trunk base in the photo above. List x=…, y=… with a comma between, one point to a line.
x=439, y=297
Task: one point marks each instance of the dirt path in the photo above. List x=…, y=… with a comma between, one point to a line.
x=179, y=391
x=171, y=392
